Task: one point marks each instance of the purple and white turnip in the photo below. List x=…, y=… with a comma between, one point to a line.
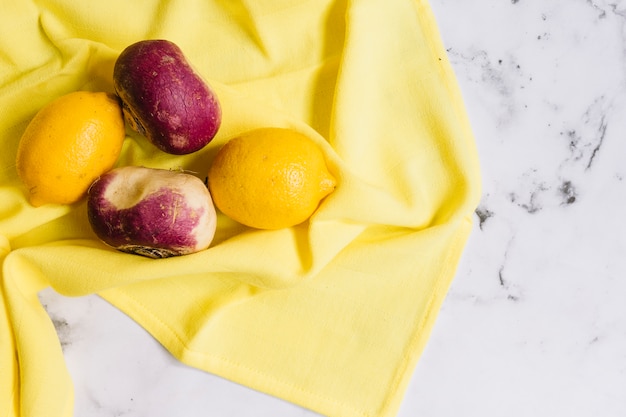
x=156, y=213
x=164, y=99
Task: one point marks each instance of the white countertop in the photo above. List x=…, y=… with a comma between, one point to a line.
x=535, y=321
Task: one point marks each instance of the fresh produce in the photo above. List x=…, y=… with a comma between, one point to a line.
x=156, y=213
x=164, y=98
x=68, y=144
x=269, y=178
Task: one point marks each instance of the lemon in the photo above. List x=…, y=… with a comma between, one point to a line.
x=269, y=178
x=68, y=144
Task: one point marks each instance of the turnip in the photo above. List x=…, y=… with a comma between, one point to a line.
x=156, y=213
x=163, y=97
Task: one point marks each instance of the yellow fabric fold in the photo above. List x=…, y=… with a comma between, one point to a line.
x=331, y=314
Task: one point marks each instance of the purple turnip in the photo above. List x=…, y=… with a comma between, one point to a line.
x=164, y=99
x=156, y=213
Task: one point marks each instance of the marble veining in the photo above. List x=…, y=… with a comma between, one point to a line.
x=538, y=287
x=534, y=323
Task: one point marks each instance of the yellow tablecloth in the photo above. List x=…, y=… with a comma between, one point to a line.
x=332, y=314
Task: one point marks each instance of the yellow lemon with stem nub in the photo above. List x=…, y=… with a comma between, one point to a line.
x=270, y=178
x=68, y=144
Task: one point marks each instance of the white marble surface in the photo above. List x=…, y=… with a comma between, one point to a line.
x=535, y=321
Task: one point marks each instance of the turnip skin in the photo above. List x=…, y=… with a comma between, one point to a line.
x=163, y=97
x=151, y=212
